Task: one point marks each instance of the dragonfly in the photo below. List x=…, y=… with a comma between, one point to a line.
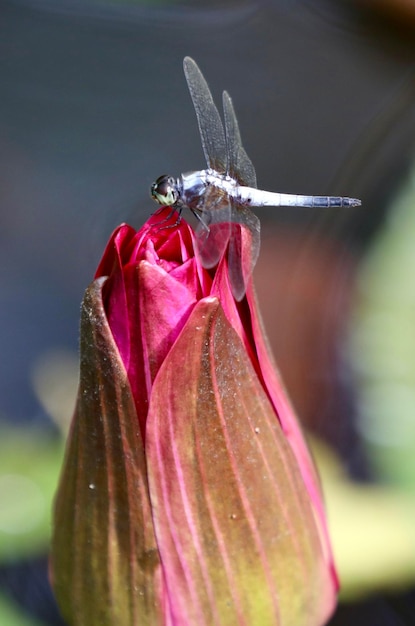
x=221, y=196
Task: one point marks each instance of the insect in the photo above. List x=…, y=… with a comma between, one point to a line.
x=222, y=195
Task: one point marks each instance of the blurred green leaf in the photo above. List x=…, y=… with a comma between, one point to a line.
x=383, y=343
x=11, y=615
x=29, y=467
x=371, y=530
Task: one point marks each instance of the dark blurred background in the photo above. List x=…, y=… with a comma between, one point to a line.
x=94, y=106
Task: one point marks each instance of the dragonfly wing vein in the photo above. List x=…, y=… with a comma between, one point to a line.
x=208, y=118
x=240, y=165
x=243, y=252
x=214, y=228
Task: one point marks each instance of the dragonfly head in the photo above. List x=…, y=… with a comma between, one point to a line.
x=164, y=191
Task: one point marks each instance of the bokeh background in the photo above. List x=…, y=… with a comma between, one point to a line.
x=93, y=107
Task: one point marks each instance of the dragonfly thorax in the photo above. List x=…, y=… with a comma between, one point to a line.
x=194, y=186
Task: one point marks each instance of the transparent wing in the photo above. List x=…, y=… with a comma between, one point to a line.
x=214, y=228
x=208, y=118
x=223, y=224
x=244, y=240
x=240, y=165
x=243, y=252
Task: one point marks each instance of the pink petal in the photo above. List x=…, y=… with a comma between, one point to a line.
x=291, y=429
x=235, y=527
x=158, y=308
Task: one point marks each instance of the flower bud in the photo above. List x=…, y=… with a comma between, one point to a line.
x=188, y=495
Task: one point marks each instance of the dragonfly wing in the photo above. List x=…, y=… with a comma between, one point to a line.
x=208, y=118
x=244, y=244
x=244, y=241
x=214, y=228
x=223, y=224
x=240, y=165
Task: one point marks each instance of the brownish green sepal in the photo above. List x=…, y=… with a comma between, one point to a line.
x=105, y=566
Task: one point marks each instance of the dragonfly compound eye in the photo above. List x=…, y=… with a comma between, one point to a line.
x=164, y=191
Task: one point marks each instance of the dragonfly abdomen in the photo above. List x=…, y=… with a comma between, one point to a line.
x=328, y=201
x=257, y=197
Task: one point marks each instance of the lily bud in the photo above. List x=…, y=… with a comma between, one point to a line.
x=188, y=495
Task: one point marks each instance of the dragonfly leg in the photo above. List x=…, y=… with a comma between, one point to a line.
x=174, y=210
x=201, y=221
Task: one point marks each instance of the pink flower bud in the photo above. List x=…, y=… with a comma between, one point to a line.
x=188, y=495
